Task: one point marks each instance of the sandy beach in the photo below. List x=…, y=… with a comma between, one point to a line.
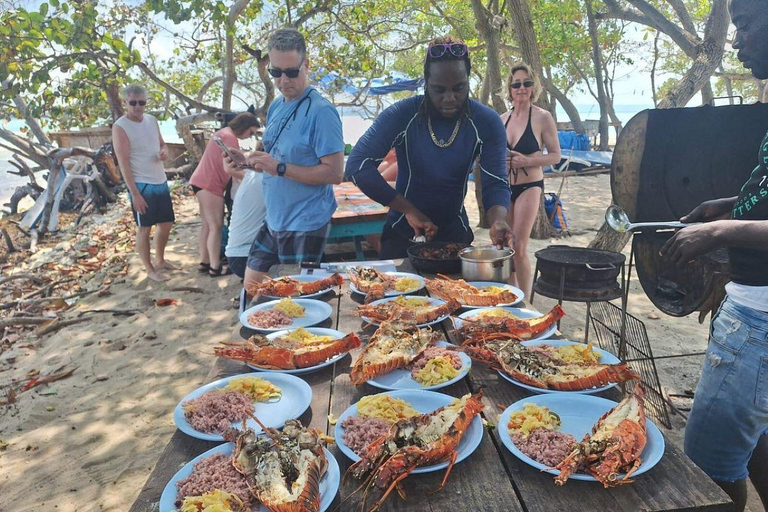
x=89, y=441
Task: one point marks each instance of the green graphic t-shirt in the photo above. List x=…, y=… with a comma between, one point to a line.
x=748, y=265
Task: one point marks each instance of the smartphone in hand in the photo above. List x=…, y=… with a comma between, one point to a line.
x=236, y=155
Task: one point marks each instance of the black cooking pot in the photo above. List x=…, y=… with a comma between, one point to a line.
x=423, y=258
x=577, y=273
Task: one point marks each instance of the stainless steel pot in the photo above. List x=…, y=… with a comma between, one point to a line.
x=486, y=264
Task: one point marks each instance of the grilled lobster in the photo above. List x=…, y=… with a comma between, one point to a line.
x=446, y=288
x=419, y=441
x=520, y=329
x=617, y=440
x=290, y=287
x=536, y=368
x=392, y=346
x=371, y=282
x=391, y=310
x=283, y=469
x=284, y=354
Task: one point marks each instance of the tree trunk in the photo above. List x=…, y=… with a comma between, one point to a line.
x=708, y=58
x=490, y=34
x=478, y=176
x=115, y=101
x=48, y=209
x=597, y=64
x=653, y=68
x=21, y=106
x=568, y=106
x=229, y=69
x=609, y=240
x=542, y=228
x=706, y=52
x=195, y=145
x=522, y=22
x=485, y=91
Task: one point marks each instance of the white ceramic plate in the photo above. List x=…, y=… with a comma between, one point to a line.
x=519, y=312
x=305, y=279
x=315, y=312
x=297, y=395
x=432, y=301
x=393, y=293
x=401, y=378
x=605, y=358
x=424, y=402
x=578, y=413
x=483, y=284
x=314, y=330
x=329, y=484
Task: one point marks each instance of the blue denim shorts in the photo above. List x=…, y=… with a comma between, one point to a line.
x=730, y=409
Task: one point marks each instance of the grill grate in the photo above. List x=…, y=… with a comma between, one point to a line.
x=605, y=318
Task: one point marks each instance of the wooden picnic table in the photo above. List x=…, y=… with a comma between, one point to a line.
x=491, y=478
x=356, y=216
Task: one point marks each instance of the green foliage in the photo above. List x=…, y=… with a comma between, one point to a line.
x=60, y=57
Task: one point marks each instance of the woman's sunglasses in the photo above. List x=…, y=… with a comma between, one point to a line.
x=290, y=73
x=438, y=50
x=133, y=103
x=527, y=84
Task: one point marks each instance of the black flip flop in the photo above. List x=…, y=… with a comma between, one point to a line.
x=203, y=267
x=218, y=272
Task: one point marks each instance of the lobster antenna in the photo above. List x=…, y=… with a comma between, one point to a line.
x=266, y=429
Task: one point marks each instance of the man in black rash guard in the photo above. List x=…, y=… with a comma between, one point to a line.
x=437, y=138
x=726, y=430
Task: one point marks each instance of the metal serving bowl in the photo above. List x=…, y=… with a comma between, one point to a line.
x=486, y=264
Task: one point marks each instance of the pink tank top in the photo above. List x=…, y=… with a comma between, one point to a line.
x=210, y=174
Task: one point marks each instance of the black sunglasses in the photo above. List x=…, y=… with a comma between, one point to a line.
x=140, y=102
x=290, y=73
x=438, y=50
x=527, y=84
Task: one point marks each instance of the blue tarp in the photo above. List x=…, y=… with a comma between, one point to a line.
x=378, y=86
x=573, y=140
x=593, y=157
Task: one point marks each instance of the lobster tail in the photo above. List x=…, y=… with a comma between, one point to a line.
x=617, y=373
x=364, y=371
x=345, y=344
x=309, y=498
x=321, y=284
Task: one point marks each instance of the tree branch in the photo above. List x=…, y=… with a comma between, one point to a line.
x=183, y=97
x=325, y=7
x=648, y=15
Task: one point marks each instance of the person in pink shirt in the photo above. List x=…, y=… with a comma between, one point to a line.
x=209, y=182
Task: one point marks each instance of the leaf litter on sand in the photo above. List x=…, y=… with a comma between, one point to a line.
x=48, y=284
x=69, y=264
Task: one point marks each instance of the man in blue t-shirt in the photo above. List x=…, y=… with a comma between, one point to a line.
x=303, y=157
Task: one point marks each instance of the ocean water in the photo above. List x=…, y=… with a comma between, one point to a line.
x=353, y=125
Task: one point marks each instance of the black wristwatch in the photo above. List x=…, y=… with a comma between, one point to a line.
x=281, y=169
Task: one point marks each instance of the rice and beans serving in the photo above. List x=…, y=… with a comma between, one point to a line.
x=214, y=412
x=282, y=315
x=375, y=416
x=535, y=432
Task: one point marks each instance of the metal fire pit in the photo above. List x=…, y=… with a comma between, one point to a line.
x=578, y=274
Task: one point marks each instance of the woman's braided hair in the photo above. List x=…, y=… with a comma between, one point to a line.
x=447, y=56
